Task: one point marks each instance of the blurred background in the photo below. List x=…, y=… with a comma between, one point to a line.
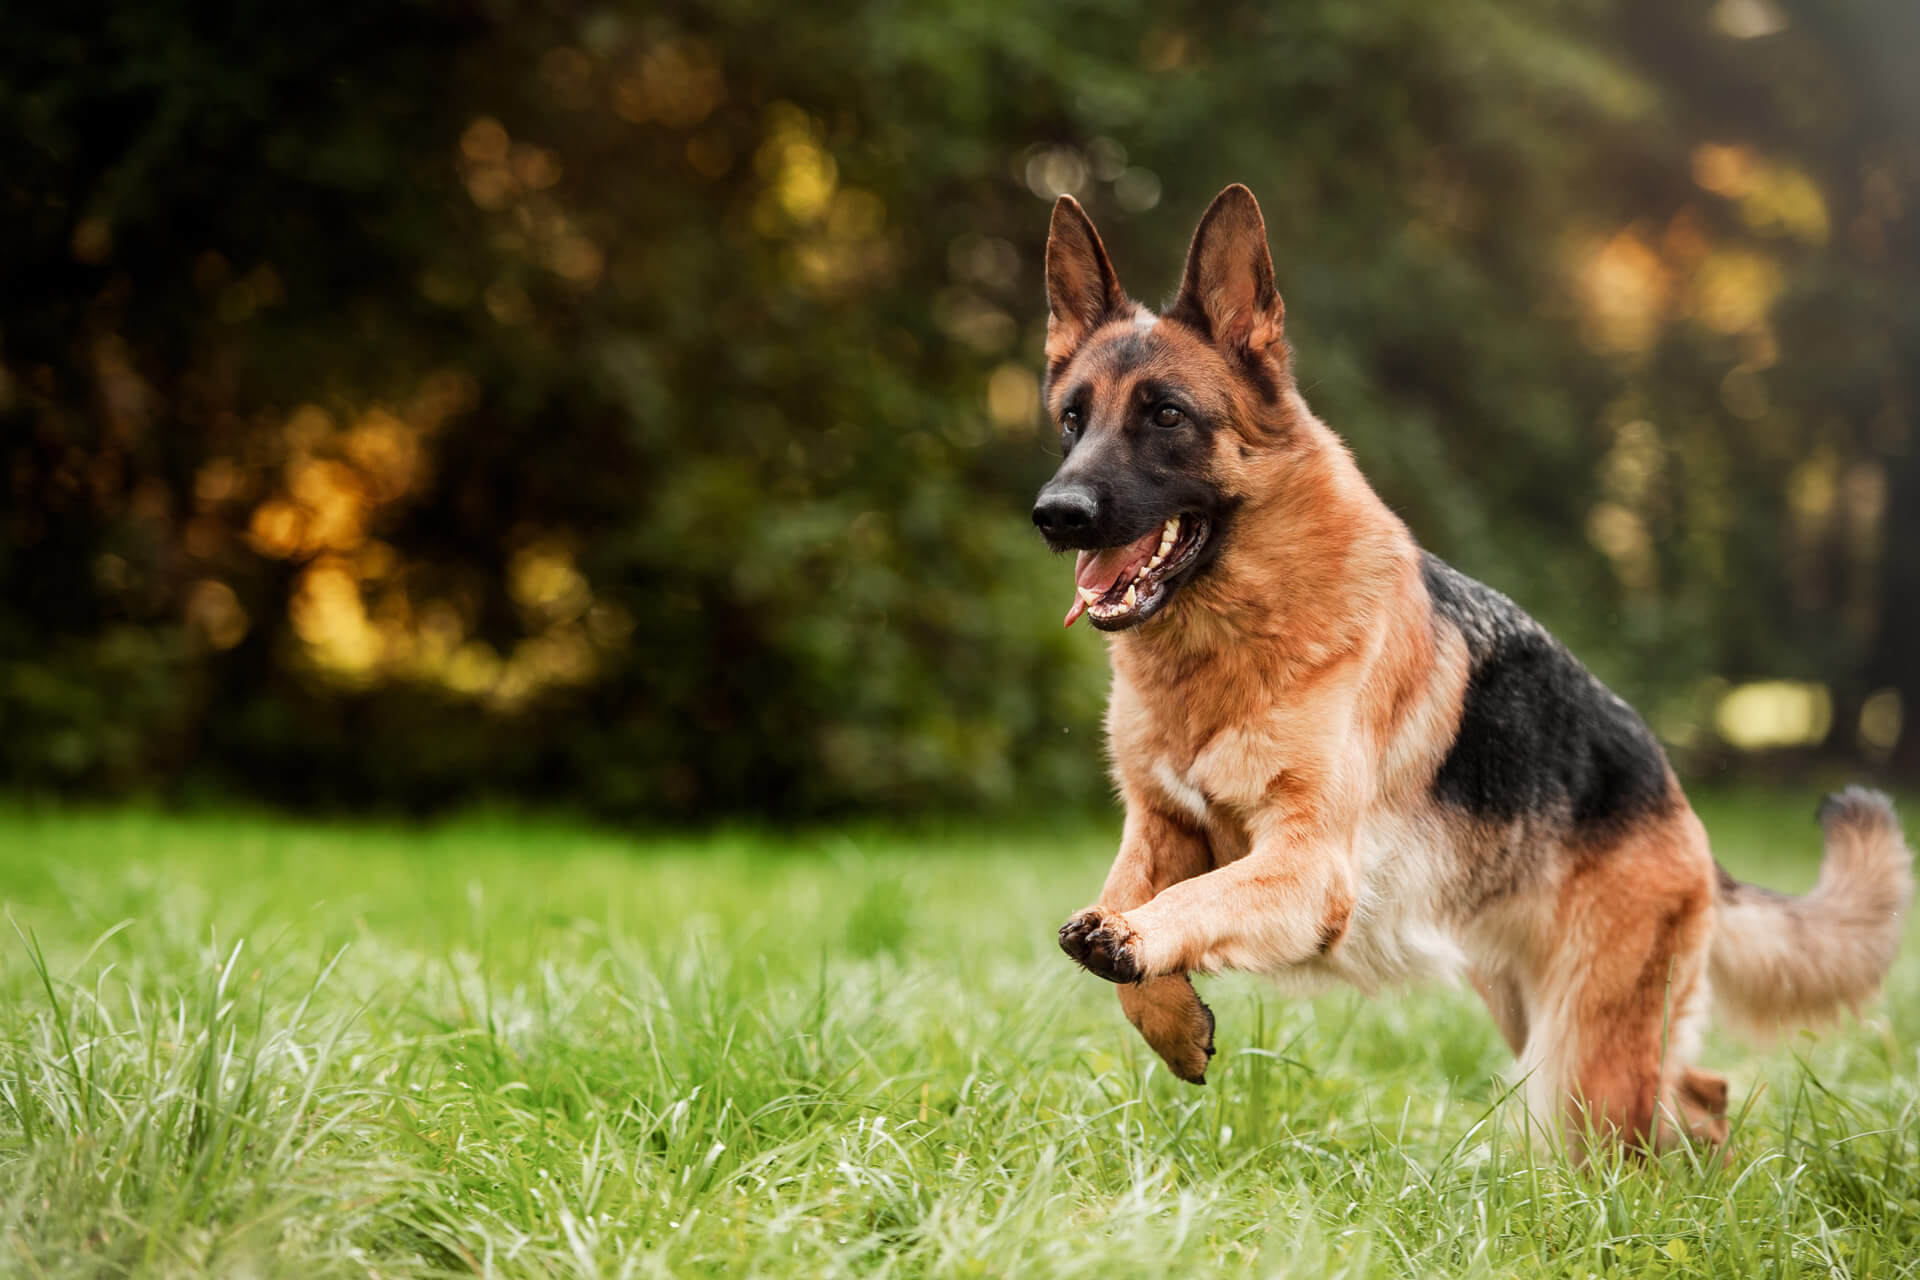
x=632, y=407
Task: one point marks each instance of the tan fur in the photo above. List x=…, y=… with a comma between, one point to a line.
x=1780, y=961
x=1274, y=733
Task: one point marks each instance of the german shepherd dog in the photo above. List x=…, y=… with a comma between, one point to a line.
x=1341, y=759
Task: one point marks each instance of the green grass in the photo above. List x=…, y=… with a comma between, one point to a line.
x=242, y=1046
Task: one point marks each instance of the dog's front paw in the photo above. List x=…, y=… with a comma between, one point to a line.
x=1103, y=942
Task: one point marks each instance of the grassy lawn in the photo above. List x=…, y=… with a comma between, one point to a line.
x=247, y=1046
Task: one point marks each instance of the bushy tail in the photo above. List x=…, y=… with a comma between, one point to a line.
x=1780, y=960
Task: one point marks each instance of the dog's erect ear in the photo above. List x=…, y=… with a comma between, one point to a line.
x=1227, y=292
x=1082, y=291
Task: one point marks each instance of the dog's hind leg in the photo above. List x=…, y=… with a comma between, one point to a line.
x=1623, y=1000
x=1172, y=1018
x=1155, y=851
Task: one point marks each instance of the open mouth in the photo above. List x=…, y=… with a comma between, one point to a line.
x=1121, y=587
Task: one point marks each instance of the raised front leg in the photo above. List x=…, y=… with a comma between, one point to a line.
x=1285, y=902
x=1155, y=851
x=1271, y=909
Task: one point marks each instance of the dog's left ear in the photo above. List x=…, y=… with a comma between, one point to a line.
x=1228, y=291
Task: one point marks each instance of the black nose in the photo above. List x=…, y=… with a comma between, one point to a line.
x=1065, y=512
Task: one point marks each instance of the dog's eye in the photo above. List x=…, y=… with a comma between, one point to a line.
x=1070, y=420
x=1168, y=416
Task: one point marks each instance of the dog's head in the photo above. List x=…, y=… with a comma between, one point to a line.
x=1158, y=414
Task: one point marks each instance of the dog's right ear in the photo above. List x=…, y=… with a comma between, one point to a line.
x=1082, y=291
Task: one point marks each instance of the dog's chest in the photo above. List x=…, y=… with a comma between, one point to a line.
x=1182, y=792
x=1395, y=934
x=1226, y=777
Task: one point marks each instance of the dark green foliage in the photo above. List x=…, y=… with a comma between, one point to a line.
x=700, y=334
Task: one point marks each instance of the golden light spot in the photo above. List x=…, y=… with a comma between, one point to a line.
x=329, y=615
x=512, y=687
x=534, y=168
x=278, y=529
x=214, y=612
x=1785, y=201
x=485, y=155
x=491, y=188
x=1734, y=289
x=1013, y=396
x=1812, y=487
x=560, y=656
x=574, y=257
x=1633, y=465
x=1749, y=19
x=1623, y=287
x=216, y=482
x=485, y=142
x=677, y=83
x=387, y=453
x=333, y=499
x=307, y=427
x=473, y=669
x=1880, y=720
x=1725, y=170
x=1774, y=713
x=1054, y=171
x=542, y=579
x=1621, y=535
x=799, y=171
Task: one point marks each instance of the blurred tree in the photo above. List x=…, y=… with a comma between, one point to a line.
x=634, y=406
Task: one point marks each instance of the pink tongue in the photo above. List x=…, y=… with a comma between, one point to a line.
x=1097, y=571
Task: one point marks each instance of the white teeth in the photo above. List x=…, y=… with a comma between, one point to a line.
x=1127, y=599
x=1088, y=595
x=1172, y=530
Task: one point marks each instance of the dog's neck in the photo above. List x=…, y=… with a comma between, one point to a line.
x=1303, y=572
